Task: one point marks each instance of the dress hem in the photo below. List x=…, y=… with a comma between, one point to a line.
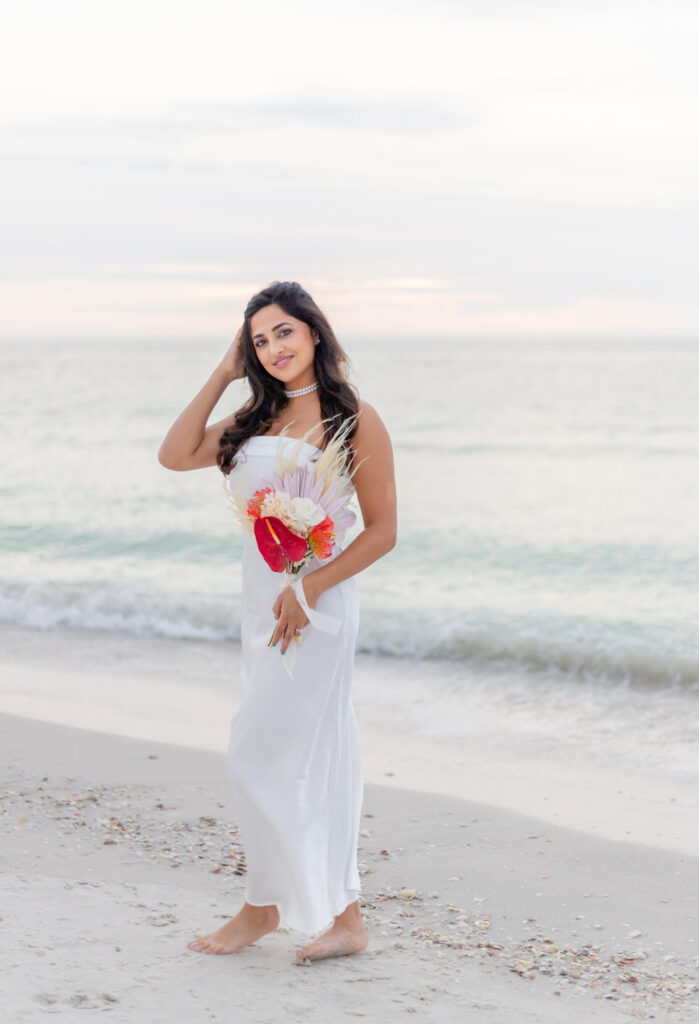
x=285, y=922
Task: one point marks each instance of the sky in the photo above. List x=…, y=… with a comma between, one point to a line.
x=444, y=168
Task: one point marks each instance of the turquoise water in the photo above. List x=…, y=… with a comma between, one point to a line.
x=548, y=501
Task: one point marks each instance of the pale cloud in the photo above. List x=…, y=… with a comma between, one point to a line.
x=500, y=167
x=346, y=109
x=174, y=306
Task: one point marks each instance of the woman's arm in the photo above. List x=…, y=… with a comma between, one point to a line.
x=374, y=482
x=189, y=443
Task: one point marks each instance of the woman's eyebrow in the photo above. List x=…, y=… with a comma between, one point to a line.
x=276, y=328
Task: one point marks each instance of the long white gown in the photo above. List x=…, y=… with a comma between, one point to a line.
x=294, y=756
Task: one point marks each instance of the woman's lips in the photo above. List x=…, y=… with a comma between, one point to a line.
x=284, y=362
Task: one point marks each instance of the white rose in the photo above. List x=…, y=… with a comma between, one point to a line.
x=303, y=518
x=307, y=512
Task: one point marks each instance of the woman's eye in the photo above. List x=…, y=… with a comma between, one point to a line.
x=261, y=341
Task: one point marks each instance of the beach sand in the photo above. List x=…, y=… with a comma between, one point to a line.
x=117, y=851
x=502, y=881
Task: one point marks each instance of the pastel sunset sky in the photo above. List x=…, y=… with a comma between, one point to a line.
x=452, y=167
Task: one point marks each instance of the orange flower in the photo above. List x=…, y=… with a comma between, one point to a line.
x=321, y=538
x=256, y=500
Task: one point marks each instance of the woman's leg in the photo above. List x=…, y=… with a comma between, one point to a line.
x=249, y=924
x=346, y=935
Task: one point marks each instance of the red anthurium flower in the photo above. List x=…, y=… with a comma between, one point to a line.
x=321, y=538
x=277, y=543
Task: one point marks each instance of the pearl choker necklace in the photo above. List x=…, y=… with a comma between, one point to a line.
x=302, y=391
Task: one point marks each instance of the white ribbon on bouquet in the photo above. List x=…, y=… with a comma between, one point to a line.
x=319, y=620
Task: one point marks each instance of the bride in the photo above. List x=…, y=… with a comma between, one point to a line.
x=294, y=757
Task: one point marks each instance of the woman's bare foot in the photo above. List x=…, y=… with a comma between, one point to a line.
x=249, y=924
x=347, y=935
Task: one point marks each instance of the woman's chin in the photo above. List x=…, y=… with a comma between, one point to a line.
x=289, y=382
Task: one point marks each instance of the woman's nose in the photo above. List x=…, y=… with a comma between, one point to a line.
x=278, y=352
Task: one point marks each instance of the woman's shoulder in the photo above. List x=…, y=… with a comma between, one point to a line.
x=370, y=427
x=367, y=415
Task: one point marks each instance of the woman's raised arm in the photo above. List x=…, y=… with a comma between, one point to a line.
x=189, y=443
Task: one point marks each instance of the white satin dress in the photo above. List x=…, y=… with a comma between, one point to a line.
x=294, y=756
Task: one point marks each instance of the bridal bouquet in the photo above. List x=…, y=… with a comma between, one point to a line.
x=297, y=514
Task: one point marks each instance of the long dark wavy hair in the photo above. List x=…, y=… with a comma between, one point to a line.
x=339, y=399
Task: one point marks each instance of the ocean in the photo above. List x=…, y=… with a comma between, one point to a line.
x=548, y=501
x=547, y=555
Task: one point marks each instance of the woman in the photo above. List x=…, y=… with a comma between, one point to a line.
x=294, y=758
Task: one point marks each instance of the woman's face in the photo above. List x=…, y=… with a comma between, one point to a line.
x=285, y=346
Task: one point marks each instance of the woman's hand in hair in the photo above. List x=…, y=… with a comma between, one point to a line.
x=232, y=362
